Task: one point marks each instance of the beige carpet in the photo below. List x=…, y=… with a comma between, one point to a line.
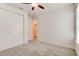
x=38, y=48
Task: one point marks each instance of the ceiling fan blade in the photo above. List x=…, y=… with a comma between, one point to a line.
x=40, y=6
x=26, y=3
x=33, y=8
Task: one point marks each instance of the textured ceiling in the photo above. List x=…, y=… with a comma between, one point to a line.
x=48, y=7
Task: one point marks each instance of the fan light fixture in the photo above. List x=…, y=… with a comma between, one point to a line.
x=34, y=5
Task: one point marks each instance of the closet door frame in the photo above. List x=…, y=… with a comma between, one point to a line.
x=18, y=11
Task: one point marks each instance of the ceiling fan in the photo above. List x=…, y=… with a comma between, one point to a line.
x=35, y=5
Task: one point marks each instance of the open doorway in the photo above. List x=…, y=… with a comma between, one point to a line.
x=34, y=29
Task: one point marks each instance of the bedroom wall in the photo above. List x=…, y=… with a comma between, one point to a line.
x=77, y=30
x=57, y=27
x=29, y=27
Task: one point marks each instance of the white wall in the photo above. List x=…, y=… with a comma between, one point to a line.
x=29, y=27
x=57, y=27
x=77, y=31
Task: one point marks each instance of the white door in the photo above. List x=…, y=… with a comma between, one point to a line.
x=11, y=29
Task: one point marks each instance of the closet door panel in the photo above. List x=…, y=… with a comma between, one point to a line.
x=11, y=29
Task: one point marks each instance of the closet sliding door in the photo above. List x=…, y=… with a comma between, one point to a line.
x=11, y=29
